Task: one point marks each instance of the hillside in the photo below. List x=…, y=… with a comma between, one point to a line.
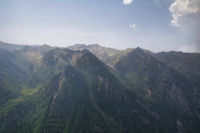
x=59, y=90
x=108, y=55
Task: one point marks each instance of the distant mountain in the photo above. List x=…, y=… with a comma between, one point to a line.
x=108, y=55
x=55, y=61
x=90, y=88
x=9, y=46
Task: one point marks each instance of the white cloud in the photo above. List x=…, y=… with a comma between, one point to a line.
x=184, y=10
x=127, y=2
x=186, y=16
x=133, y=26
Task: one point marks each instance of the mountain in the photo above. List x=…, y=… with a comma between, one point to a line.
x=46, y=89
x=108, y=55
x=12, y=77
x=144, y=71
x=9, y=46
x=16, y=70
x=53, y=62
x=80, y=99
x=186, y=63
x=158, y=84
x=79, y=90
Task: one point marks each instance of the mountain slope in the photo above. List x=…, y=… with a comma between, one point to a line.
x=158, y=84
x=186, y=63
x=53, y=62
x=108, y=55
x=75, y=92
x=12, y=77
x=145, y=71
x=86, y=97
x=73, y=102
x=9, y=46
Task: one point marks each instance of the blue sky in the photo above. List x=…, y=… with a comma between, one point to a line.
x=111, y=23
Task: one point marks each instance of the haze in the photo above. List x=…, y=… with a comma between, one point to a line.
x=157, y=25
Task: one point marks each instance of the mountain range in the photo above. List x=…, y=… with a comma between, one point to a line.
x=95, y=89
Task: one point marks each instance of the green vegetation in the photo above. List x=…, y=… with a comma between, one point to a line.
x=52, y=90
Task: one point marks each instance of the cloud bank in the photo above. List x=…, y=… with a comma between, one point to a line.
x=127, y=2
x=186, y=16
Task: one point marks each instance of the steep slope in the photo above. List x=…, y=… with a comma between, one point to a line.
x=81, y=94
x=53, y=62
x=31, y=56
x=12, y=77
x=9, y=69
x=33, y=53
x=73, y=101
x=87, y=97
x=30, y=59
x=158, y=84
x=186, y=63
x=25, y=58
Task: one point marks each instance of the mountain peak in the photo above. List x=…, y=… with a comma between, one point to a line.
x=138, y=50
x=135, y=60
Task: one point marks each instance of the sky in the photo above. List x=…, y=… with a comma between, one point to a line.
x=157, y=25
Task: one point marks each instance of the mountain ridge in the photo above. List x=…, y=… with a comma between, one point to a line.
x=76, y=91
